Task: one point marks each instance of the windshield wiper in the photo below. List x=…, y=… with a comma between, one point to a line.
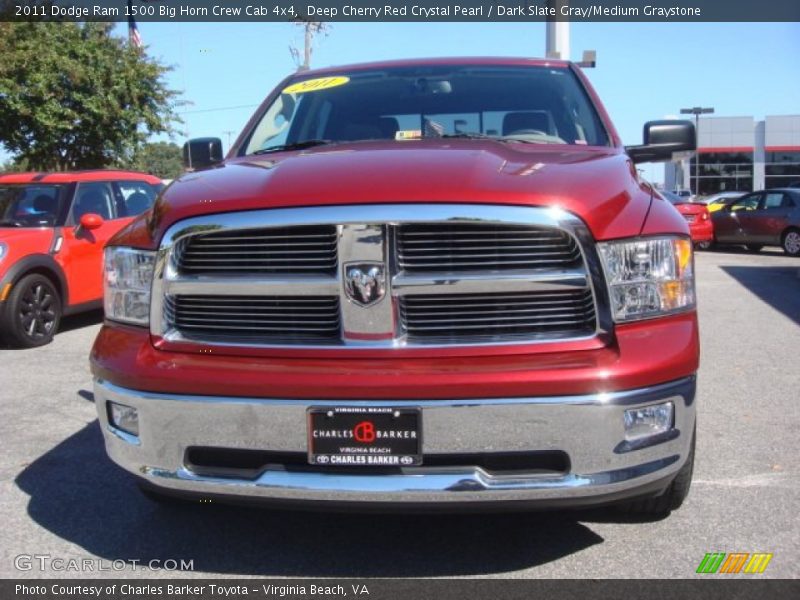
x=468, y=136
x=10, y=224
x=293, y=146
x=498, y=138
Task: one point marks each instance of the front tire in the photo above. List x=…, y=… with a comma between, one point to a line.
x=672, y=498
x=791, y=242
x=32, y=312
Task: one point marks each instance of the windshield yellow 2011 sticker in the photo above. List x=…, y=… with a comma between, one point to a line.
x=315, y=85
x=408, y=134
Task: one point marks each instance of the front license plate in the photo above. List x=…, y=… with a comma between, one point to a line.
x=365, y=436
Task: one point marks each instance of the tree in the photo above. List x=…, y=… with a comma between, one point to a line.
x=162, y=159
x=72, y=96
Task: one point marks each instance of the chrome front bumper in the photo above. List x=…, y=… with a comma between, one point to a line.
x=589, y=429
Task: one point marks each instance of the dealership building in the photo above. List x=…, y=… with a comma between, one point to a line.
x=740, y=154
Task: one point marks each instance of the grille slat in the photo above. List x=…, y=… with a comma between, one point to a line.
x=310, y=249
x=460, y=316
x=467, y=246
x=279, y=319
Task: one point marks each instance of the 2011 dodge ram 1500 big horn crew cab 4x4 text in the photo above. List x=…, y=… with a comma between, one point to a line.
x=436, y=284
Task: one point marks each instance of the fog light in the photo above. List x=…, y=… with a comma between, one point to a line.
x=648, y=421
x=124, y=417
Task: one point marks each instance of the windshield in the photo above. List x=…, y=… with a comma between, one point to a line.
x=32, y=205
x=511, y=104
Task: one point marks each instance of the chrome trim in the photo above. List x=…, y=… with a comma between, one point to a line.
x=359, y=227
x=126, y=437
x=587, y=428
x=299, y=285
x=431, y=483
x=466, y=283
x=373, y=322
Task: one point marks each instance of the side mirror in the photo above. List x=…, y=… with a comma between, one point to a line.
x=662, y=140
x=200, y=153
x=91, y=221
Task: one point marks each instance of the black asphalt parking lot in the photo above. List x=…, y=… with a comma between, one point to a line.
x=61, y=496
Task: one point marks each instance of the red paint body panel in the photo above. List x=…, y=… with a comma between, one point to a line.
x=77, y=177
x=81, y=258
x=22, y=243
x=594, y=183
x=701, y=229
x=645, y=353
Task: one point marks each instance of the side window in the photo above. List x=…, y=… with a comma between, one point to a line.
x=749, y=202
x=136, y=197
x=774, y=200
x=93, y=197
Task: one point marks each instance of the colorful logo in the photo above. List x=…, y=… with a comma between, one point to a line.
x=734, y=562
x=364, y=432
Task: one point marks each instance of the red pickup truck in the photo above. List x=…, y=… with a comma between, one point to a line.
x=433, y=284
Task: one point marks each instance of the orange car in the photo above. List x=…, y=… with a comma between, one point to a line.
x=53, y=227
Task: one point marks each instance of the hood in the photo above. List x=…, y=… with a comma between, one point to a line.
x=597, y=184
x=22, y=242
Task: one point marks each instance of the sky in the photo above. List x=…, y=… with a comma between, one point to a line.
x=644, y=71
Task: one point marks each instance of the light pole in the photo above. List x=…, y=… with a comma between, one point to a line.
x=696, y=111
x=229, y=134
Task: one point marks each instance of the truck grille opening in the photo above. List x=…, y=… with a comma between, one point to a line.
x=380, y=276
x=306, y=250
x=455, y=316
x=454, y=247
x=277, y=320
x=249, y=464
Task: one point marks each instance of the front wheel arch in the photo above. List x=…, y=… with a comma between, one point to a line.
x=41, y=264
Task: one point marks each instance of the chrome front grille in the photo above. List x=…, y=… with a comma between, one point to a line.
x=310, y=249
x=483, y=246
x=454, y=317
x=299, y=319
x=381, y=276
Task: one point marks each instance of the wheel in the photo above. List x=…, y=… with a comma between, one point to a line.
x=672, y=498
x=791, y=242
x=32, y=312
x=754, y=247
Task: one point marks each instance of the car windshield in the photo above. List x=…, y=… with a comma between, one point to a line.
x=31, y=205
x=540, y=105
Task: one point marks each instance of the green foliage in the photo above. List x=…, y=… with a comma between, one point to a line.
x=14, y=164
x=72, y=96
x=162, y=159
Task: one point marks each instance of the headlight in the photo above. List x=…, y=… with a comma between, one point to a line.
x=648, y=277
x=127, y=277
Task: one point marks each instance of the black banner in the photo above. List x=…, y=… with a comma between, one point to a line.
x=402, y=10
x=399, y=589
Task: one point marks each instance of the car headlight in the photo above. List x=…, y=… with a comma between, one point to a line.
x=127, y=278
x=648, y=277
